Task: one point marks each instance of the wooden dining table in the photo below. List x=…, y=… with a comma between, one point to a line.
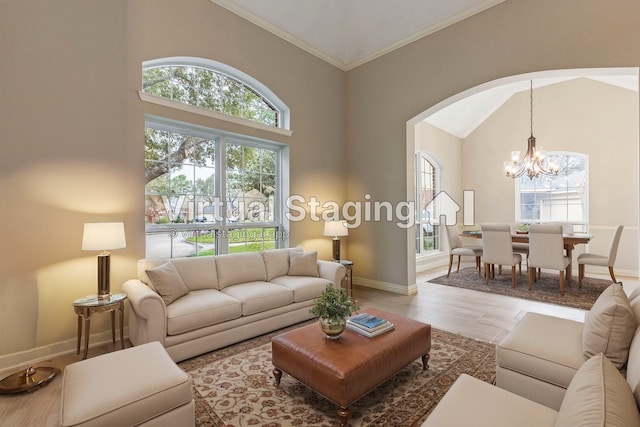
x=570, y=242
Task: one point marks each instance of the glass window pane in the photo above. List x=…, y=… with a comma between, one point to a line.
x=561, y=198
x=209, y=89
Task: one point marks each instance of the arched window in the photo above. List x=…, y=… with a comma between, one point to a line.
x=427, y=187
x=562, y=198
x=210, y=191
x=213, y=86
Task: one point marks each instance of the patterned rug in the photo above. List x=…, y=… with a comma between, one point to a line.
x=546, y=289
x=234, y=386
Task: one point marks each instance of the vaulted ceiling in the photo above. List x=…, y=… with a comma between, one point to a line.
x=349, y=33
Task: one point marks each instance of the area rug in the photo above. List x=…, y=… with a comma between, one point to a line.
x=234, y=386
x=546, y=289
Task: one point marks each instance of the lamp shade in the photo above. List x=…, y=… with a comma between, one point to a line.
x=102, y=236
x=336, y=228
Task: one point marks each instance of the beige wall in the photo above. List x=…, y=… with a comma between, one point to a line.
x=515, y=37
x=71, y=128
x=71, y=142
x=583, y=116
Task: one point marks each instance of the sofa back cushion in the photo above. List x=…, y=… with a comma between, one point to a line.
x=276, y=262
x=609, y=326
x=240, y=268
x=198, y=272
x=597, y=396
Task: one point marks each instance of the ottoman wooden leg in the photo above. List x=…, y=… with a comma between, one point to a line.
x=277, y=374
x=425, y=361
x=343, y=414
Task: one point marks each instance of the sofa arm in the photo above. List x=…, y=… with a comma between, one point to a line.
x=332, y=271
x=147, y=314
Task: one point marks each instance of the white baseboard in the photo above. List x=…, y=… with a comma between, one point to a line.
x=385, y=286
x=12, y=362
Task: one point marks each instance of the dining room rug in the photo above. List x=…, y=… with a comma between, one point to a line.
x=546, y=289
x=234, y=386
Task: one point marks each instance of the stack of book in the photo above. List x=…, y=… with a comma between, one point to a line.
x=368, y=325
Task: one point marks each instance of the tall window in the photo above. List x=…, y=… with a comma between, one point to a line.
x=427, y=230
x=208, y=191
x=561, y=198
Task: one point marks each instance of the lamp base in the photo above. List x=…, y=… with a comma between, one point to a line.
x=104, y=286
x=336, y=249
x=28, y=379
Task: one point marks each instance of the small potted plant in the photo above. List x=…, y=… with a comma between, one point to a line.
x=522, y=228
x=333, y=307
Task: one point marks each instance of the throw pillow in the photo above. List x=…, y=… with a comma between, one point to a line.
x=276, y=262
x=598, y=395
x=303, y=263
x=609, y=326
x=167, y=282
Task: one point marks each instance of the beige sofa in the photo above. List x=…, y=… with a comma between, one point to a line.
x=598, y=396
x=199, y=304
x=540, y=356
x=552, y=371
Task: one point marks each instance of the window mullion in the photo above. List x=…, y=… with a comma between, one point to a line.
x=222, y=241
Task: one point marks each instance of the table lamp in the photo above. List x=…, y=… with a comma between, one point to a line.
x=103, y=236
x=336, y=229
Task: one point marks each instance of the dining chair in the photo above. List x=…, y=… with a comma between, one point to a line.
x=497, y=249
x=602, y=260
x=456, y=248
x=546, y=250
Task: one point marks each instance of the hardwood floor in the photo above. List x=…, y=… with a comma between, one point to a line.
x=480, y=315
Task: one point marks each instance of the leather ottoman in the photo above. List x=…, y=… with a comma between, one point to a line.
x=346, y=369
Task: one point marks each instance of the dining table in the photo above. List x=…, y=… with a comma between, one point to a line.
x=570, y=241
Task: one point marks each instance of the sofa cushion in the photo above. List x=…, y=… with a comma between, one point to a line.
x=167, y=282
x=240, y=268
x=472, y=402
x=199, y=309
x=544, y=347
x=197, y=272
x=304, y=288
x=259, y=296
x=598, y=396
x=633, y=362
x=276, y=262
x=303, y=263
x=609, y=326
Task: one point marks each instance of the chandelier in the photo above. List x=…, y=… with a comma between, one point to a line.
x=533, y=163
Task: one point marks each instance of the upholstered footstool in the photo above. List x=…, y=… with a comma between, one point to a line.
x=136, y=386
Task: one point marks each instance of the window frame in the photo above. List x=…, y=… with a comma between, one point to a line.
x=284, y=125
x=224, y=228
x=437, y=178
x=583, y=224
